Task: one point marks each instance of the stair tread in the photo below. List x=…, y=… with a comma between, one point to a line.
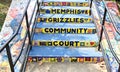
x=64, y=7
x=45, y=51
x=64, y=16
x=64, y=25
x=66, y=1
x=64, y=37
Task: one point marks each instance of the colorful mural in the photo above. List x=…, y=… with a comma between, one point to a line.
x=12, y=21
x=111, y=34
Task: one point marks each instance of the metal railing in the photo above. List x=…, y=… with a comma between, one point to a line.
x=103, y=29
x=28, y=35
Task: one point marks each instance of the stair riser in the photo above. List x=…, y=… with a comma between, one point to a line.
x=65, y=20
x=82, y=4
x=65, y=43
x=64, y=59
x=66, y=30
x=64, y=11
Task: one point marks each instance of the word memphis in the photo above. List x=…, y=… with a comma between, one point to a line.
x=65, y=4
x=66, y=30
x=65, y=43
x=62, y=59
x=65, y=20
x=64, y=11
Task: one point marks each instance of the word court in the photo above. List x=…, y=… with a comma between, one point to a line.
x=65, y=43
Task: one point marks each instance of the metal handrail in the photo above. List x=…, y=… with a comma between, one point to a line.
x=6, y=45
x=111, y=18
x=107, y=37
x=26, y=59
x=111, y=48
x=16, y=32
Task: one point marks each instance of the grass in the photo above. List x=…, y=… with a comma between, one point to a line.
x=4, y=5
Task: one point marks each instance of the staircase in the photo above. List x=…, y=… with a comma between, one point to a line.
x=65, y=32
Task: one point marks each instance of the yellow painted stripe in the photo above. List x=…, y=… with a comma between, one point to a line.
x=64, y=11
x=66, y=43
x=66, y=30
x=62, y=59
x=65, y=20
x=85, y=4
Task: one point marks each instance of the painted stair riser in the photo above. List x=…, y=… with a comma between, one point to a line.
x=65, y=20
x=64, y=11
x=66, y=30
x=65, y=59
x=66, y=43
x=82, y=4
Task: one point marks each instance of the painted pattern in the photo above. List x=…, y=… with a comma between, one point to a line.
x=111, y=33
x=12, y=21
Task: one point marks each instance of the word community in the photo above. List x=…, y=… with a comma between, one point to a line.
x=65, y=20
x=62, y=59
x=85, y=4
x=65, y=43
x=66, y=30
x=64, y=11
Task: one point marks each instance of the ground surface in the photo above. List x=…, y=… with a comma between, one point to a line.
x=4, y=6
x=66, y=67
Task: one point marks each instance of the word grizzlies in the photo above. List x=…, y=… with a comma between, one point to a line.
x=64, y=11
x=62, y=59
x=65, y=20
x=65, y=43
x=66, y=30
x=85, y=4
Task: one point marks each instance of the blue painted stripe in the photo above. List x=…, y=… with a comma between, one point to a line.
x=64, y=37
x=65, y=16
x=65, y=25
x=44, y=51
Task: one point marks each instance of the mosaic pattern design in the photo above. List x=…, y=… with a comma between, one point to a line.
x=111, y=33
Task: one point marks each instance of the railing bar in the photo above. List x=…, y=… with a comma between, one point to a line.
x=101, y=32
x=26, y=59
x=111, y=18
x=9, y=58
x=11, y=38
x=21, y=50
x=91, y=3
x=32, y=13
x=33, y=29
x=28, y=27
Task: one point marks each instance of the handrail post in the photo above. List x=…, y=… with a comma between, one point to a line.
x=90, y=6
x=10, y=58
x=28, y=27
x=91, y=3
x=101, y=33
x=119, y=68
x=38, y=3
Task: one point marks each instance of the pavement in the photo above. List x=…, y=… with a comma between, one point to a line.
x=66, y=67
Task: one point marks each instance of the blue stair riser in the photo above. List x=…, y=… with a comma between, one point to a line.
x=66, y=30
x=64, y=11
x=65, y=25
x=65, y=37
x=82, y=4
x=65, y=20
x=65, y=59
x=66, y=43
